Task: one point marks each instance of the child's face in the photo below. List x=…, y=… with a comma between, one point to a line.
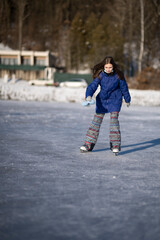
x=108, y=67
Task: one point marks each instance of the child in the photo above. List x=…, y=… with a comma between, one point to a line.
x=109, y=100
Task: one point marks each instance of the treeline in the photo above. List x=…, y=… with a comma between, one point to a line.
x=83, y=32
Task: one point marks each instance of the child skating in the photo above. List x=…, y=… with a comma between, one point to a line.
x=113, y=88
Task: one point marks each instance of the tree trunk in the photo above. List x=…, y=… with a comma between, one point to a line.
x=20, y=25
x=68, y=52
x=130, y=39
x=21, y=7
x=142, y=37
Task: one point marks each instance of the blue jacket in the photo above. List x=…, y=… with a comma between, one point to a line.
x=112, y=91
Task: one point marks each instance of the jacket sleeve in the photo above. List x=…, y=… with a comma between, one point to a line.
x=125, y=91
x=92, y=87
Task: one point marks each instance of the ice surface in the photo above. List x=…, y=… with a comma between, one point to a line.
x=51, y=191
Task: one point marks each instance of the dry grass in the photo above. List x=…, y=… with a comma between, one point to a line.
x=149, y=78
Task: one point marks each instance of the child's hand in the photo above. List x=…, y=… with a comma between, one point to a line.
x=89, y=98
x=128, y=104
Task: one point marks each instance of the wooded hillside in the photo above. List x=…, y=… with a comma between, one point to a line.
x=83, y=32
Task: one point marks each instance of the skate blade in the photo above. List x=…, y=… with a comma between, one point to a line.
x=116, y=154
x=84, y=151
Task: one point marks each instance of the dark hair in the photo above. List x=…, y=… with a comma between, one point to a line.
x=98, y=68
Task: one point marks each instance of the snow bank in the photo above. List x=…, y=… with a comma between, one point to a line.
x=24, y=92
x=145, y=97
x=4, y=47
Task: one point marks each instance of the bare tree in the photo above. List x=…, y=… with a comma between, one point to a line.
x=156, y=4
x=142, y=37
x=5, y=18
x=21, y=5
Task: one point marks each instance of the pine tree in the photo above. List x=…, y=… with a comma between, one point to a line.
x=77, y=41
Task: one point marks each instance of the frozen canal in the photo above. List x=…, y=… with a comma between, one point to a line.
x=51, y=191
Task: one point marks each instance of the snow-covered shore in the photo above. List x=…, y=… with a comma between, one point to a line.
x=22, y=91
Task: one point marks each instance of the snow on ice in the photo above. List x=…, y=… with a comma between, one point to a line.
x=22, y=91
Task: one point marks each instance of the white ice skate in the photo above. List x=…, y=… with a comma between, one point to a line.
x=83, y=149
x=115, y=151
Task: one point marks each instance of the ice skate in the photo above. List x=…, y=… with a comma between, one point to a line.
x=115, y=151
x=85, y=148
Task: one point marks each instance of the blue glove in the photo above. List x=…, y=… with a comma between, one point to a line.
x=88, y=101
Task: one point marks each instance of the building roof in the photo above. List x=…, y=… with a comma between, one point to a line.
x=22, y=67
